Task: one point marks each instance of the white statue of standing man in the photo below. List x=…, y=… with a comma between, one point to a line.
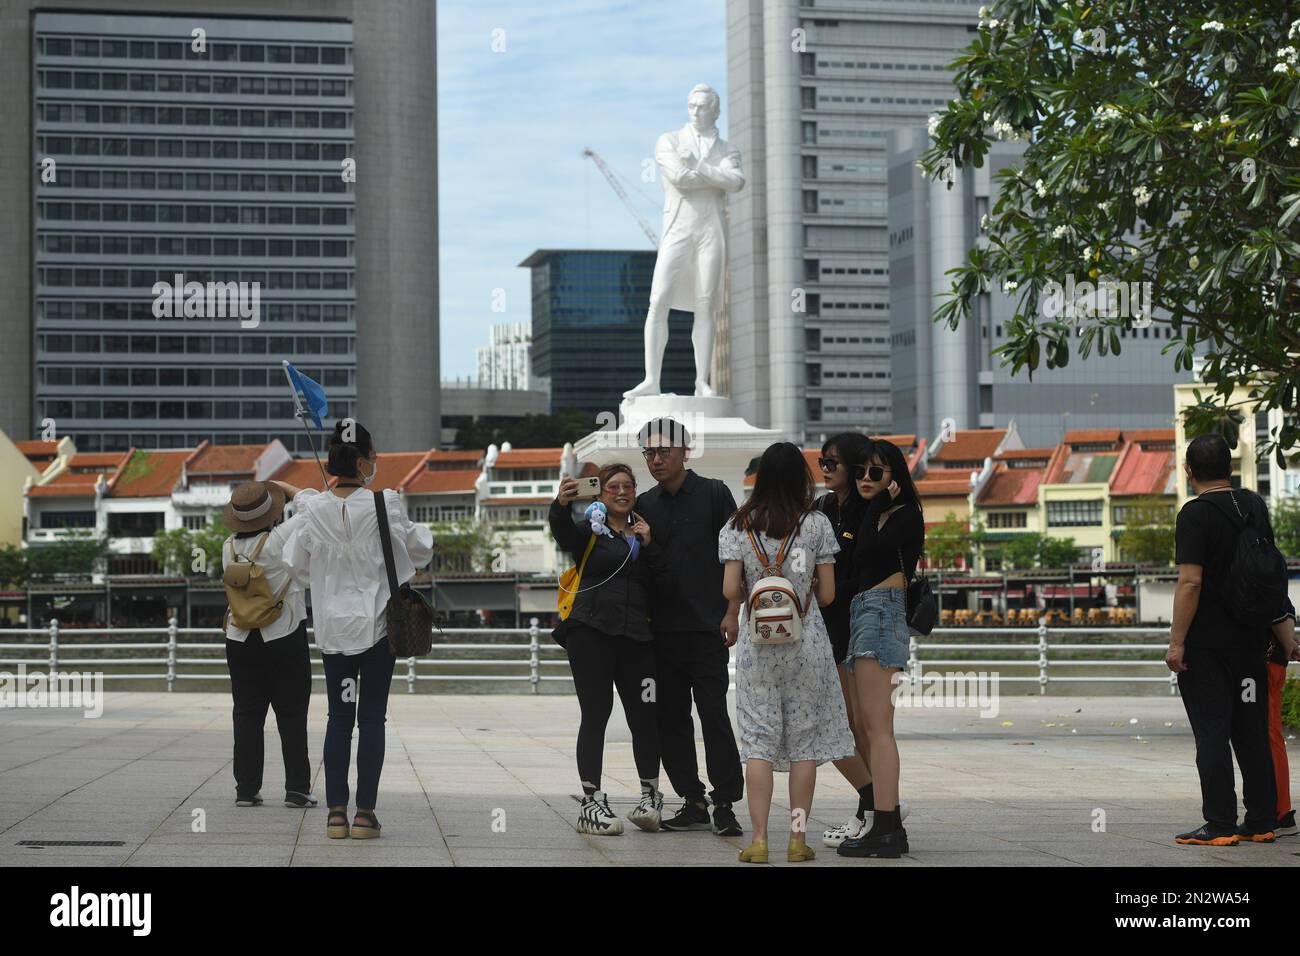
x=698, y=168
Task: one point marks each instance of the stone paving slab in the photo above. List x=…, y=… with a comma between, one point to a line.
x=489, y=781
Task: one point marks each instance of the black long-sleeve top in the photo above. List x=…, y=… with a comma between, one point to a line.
x=620, y=605
x=845, y=520
x=876, y=550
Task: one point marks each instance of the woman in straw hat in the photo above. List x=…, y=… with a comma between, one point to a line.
x=270, y=666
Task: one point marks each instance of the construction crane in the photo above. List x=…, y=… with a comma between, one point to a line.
x=622, y=194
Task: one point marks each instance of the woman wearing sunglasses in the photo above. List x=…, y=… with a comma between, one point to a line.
x=844, y=508
x=886, y=550
x=608, y=640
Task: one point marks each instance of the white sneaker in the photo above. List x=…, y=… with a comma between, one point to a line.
x=595, y=816
x=649, y=813
x=856, y=828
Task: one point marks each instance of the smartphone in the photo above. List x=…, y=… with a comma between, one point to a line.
x=588, y=487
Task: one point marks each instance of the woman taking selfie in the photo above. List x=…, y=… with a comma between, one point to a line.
x=788, y=702
x=337, y=547
x=607, y=637
x=886, y=550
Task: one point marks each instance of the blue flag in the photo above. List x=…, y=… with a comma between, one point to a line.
x=313, y=396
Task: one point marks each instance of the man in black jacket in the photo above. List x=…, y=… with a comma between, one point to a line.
x=693, y=625
x=1220, y=660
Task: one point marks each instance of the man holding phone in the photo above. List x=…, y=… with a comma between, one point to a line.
x=693, y=626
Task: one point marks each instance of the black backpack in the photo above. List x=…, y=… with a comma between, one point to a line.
x=1255, y=588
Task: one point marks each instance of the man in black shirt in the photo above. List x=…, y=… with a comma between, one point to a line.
x=693, y=626
x=1220, y=661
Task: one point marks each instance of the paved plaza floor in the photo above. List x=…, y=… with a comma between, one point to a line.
x=489, y=780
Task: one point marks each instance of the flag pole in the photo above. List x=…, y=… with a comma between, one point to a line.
x=300, y=414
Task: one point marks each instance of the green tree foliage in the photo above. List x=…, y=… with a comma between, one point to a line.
x=1035, y=550
x=1149, y=532
x=1162, y=146
x=174, y=550
x=77, y=555
x=531, y=431
x=949, y=542
x=468, y=545
x=1286, y=526
x=13, y=566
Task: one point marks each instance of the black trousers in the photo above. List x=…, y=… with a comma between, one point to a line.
x=276, y=675
x=1213, y=688
x=600, y=664
x=694, y=664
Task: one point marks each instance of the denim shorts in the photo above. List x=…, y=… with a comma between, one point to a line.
x=878, y=627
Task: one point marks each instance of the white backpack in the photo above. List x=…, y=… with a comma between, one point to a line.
x=775, y=615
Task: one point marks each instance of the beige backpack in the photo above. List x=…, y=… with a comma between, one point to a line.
x=252, y=605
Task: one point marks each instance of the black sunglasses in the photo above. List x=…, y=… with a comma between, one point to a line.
x=828, y=464
x=870, y=472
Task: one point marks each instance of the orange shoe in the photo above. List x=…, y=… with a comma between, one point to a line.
x=1268, y=836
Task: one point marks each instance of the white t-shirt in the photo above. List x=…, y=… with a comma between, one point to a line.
x=335, y=548
x=277, y=575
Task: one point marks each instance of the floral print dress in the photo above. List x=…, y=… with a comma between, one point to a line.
x=788, y=700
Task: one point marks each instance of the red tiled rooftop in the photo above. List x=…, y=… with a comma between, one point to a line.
x=1144, y=473
x=973, y=444
x=442, y=482
x=148, y=474
x=301, y=473
x=1014, y=454
x=530, y=458
x=393, y=467
x=946, y=485
x=1146, y=435
x=210, y=459
x=1011, y=486
x=1093, y=436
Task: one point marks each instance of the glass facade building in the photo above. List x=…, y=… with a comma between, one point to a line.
x=225, y=165
x=588, y=311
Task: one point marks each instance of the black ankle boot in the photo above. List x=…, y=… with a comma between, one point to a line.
x=886, y=839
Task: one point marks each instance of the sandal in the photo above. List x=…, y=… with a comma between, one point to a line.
x=368, y=830
x=337, y=830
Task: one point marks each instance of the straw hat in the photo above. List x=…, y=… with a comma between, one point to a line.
x=254, y=505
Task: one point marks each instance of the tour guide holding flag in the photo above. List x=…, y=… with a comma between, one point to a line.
x=310, y=391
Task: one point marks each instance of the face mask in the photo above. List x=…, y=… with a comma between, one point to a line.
x=367, y=479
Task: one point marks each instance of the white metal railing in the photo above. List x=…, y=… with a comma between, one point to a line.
x=177, y=654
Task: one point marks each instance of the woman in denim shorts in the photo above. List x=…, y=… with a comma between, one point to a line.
x=887, y=548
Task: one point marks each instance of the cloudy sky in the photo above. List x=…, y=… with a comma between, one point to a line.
x=512, y=126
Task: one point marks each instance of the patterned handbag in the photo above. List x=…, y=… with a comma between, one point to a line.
x=408, y=614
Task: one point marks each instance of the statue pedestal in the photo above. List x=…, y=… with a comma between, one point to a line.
x=722, y=444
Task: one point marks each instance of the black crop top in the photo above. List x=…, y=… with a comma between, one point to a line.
x=876, y=550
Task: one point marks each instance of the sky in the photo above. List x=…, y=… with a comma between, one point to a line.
x=512, y=124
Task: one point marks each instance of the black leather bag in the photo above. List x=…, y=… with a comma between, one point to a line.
x=922, y=605
x=408, y=615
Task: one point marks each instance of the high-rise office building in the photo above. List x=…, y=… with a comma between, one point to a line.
x=939, y=373
x=814, y=86
x=505, y=362
x=256, y=146
x=588, y=310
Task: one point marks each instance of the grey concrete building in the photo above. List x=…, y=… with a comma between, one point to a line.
x=814, y=87
x=939, y=373
x=222, y=164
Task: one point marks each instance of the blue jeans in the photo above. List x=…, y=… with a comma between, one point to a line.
x=878, y=628
x=368, y=676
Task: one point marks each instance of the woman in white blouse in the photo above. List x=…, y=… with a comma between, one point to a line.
x=336, y=548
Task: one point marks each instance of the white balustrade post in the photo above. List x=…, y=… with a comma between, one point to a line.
x=172, y=626
x=1042, y=656
x=54, y=648
x=534, y=654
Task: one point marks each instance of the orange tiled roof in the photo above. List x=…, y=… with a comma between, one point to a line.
x=1150, y=435
x=1144, y=472
x=1093, y=436
x=394, y=466
x=1011, y=486
x=148, y=474
x=973, y=444
x=70, y=484
x=442, y=482
x=36, y=450
x=1012, y=454
x=210, y=459
x=941, y=484
x=530, y=458
x=301, y=473
x=465, y=457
